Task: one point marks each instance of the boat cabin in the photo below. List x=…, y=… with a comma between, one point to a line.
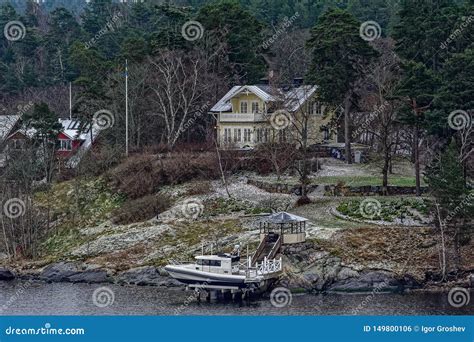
x=221, y=263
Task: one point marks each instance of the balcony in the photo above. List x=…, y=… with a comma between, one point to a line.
x=241, y=117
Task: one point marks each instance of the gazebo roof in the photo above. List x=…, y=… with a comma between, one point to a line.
x=284, y=217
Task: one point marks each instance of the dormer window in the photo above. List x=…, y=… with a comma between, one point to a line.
x=243, y=107
x=254, y=107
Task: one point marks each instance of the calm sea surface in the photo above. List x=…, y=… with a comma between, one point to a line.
x=25, y=298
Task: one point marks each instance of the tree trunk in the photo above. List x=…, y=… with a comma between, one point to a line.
x=417, y=160
x=347, y=129
x=221, y=169
x=385, y=168
x=443, y=244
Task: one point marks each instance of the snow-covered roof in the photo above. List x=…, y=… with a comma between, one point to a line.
x=74, y=129
x=7, y=122
x=86, y=145
x=296, y=97
x=284, y=217
x=293, y=98
x=223, y=105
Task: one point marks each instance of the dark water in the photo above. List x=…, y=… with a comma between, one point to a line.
x=25, y=298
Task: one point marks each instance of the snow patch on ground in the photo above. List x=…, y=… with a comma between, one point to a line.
x=121, y=240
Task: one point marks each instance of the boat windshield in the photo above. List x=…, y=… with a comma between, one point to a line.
x=205, y=262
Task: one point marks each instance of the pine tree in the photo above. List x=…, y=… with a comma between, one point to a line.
x=339, y=56
x=418, y=86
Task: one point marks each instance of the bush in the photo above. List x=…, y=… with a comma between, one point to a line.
x=303, y=200
x=141, y=209
x=141, y=175
x=199, y=188
x=99, y=160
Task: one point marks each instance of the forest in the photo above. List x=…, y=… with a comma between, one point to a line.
x=400, y=74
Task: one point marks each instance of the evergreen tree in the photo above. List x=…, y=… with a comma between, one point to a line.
x=244, y=36
x=339, y=56
x=418, y=87
x=454, y=205
x=422, y=29
x=47, y=127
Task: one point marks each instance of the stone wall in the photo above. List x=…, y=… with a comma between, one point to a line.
x=333, y=190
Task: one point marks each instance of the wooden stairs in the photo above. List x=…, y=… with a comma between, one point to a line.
x=268, y=247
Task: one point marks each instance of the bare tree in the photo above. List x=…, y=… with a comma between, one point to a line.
x=381, y=122
x=22, y=223
x=177, y=82
x=289, y=57
x=280, y=154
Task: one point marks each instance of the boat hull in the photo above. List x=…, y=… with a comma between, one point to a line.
x=189, y=276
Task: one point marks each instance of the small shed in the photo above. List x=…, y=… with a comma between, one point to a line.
x=291, y=228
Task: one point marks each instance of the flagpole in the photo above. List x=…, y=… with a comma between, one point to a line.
x=126, y=107
x=70, y=101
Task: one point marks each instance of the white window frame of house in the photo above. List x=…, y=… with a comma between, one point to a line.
x=247, y=134
x=255, y=106
x=259, y=135
x=227, y=135
x=17, y=144
x=326, y=134
x=266, y=134
x=246, y=103
x=237, y=135
x=317, y=108
x=65, y=145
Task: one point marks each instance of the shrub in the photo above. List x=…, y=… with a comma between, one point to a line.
x=99, y=160
x=141, y=175
x=141, y=209
x=303, y=200
x=199, y=188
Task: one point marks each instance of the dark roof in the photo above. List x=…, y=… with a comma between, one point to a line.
x=284, y=217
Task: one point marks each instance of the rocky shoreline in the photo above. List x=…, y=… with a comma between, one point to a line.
x=330, y=275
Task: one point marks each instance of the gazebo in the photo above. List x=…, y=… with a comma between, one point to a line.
x=291, y=228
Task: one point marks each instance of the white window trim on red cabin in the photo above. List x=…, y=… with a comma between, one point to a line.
x=61, y=145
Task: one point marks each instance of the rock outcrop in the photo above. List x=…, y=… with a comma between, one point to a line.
x=6, y=274
x=315, y=270
x=146, y=275
x=73, y=272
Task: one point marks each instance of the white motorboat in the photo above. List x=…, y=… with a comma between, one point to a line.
x=225, y=271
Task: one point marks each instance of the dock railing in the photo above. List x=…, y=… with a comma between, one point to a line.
x=265, y=268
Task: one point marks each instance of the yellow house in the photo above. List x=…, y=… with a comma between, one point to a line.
x=252, y=114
